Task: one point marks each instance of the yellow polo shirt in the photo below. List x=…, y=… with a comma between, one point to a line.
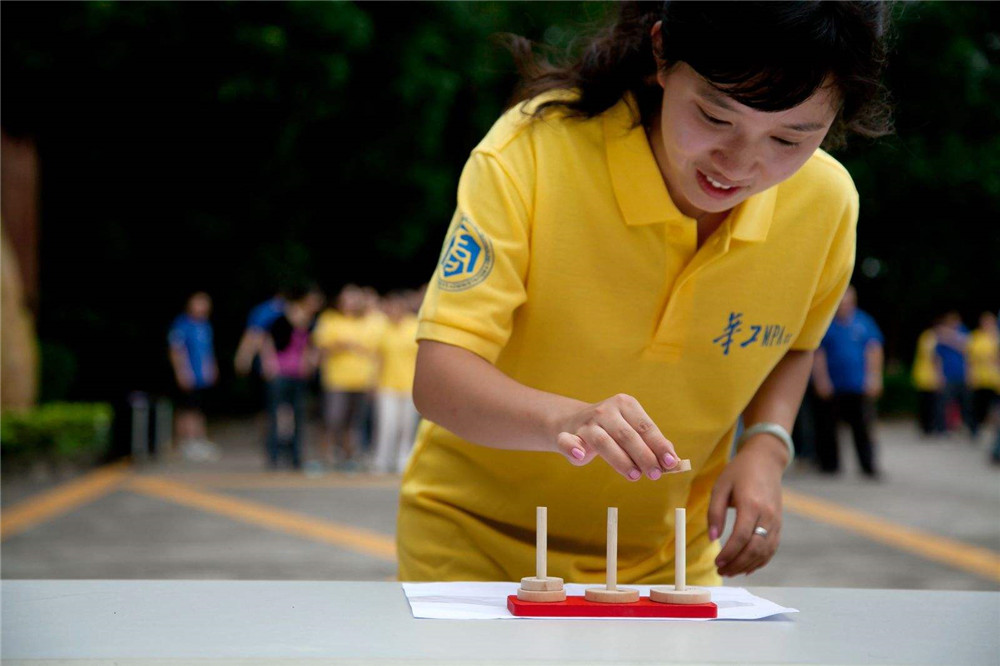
x=398, y=351
x=925, y=373
x=983, y=353
x=568, y=266
x=347, y=370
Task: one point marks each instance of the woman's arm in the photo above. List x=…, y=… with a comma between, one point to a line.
x=472, y=398
x=751, y=482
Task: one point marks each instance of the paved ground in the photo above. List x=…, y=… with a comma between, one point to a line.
x=933, y=523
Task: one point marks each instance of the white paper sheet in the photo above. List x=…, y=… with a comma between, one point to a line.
x=488, y=601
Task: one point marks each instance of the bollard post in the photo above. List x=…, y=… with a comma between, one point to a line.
x=139, y=402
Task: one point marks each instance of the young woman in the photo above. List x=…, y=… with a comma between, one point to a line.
x=646, y=248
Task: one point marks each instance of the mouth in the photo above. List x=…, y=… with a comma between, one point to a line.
x=714, y=188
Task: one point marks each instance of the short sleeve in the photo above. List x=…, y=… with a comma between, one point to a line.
x=323, y=333
x=480, y=279
x=177, y=336
x=874, y=332
x=834, y=278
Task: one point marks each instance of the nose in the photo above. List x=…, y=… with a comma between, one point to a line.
x=735, y=160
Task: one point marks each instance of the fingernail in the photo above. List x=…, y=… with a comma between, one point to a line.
x=634, y=475
x=654, y=473
x=721, y=564
x=668, y=460
x=579, y=454
x=713, y=533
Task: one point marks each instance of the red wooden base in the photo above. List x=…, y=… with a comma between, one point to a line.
x=580, y=607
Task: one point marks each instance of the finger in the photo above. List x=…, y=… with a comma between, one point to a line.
x=598, y=439
x=747, y=515
x=574, y=448
x=662, y=448
x=758, y=550
x=630, y=441
x=774, y=540
x=768, y=550
x=717, y=506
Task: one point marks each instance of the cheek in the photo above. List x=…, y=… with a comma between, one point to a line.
x=782, y=167
x=687, y=140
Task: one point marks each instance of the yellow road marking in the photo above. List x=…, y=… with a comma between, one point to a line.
x=344, y=536
x=980, y=561
x=250, y=481
x=62, y=499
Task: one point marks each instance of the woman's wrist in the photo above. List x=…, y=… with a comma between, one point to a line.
x=554, y=414
x=766, y=447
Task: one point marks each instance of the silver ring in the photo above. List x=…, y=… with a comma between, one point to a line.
x=760, y=531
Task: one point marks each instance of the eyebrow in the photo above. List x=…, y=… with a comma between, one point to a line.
x=720, y=100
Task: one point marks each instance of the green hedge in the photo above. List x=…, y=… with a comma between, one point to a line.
x=56, y=432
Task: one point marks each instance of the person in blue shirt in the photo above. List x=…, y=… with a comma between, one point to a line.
x=953, y=340
x=195, y=371
x=847, y=377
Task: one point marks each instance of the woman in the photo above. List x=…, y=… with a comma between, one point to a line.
x=649, y=246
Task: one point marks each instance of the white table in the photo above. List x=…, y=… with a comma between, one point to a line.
x=291, y=622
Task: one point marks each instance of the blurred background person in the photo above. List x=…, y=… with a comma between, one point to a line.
x=289, y=360
x=847, y=375
x=928, y=381
x=374, y=322
x=984, y=370
x=952, y=346
x=192, y=357
x=258, y=322
x=395, y=414
x=346, y=346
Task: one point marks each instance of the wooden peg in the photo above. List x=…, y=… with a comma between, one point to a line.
x=541, y=581
x=679, y=592
x=541, y=541
x=611, y=593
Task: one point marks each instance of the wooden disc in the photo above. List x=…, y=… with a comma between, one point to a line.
x=541, y=595
x=536, y=583
x=666, y=594
x=602, y=595
x=682, y=466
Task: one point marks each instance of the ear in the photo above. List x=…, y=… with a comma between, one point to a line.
x=656, y=36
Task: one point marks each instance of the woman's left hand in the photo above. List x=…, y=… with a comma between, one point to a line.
x=751, y=483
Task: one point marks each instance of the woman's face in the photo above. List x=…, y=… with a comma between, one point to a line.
x=715, y=152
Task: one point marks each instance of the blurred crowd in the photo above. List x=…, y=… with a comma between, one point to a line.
x=956, y=375
x=362, y=349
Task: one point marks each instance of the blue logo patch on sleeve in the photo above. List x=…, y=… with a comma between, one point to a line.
x=467, y=257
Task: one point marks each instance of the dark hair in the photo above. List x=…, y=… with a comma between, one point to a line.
x=769, y=56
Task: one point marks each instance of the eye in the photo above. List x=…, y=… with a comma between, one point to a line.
x=785, y=142
x=712, y=119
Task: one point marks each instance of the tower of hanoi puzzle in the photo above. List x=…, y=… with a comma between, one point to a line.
x=542, y=595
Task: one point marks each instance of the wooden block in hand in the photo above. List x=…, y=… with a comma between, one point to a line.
x=539, y=584
x=602, y=595
x=682, y=466
x=541, y=595
x=666, y=594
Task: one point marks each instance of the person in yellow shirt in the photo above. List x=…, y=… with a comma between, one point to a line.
x=928, y=380
x=984, y=368
x=395, y=415
x=346, y=339
x=647, y=247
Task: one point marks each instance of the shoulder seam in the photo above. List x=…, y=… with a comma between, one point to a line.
x=518, y=186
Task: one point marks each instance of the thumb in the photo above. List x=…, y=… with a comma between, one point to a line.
x=717, y=506
x=573, y=447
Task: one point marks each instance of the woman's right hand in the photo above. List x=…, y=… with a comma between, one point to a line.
x=619, y=431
